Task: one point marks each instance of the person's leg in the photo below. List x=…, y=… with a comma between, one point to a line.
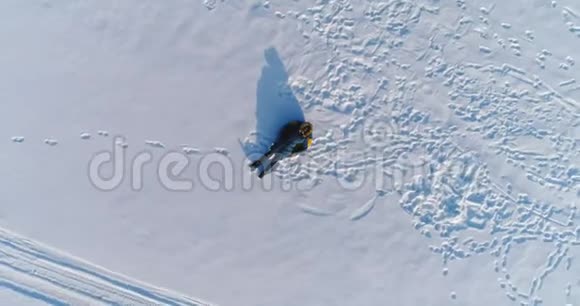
x=258, y=162
x=267, y=168
x=265, y=157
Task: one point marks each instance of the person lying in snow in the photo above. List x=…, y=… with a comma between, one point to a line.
x=294, y=137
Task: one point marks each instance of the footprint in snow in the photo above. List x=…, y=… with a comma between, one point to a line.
x=121, y=143
x=154, y=143
x=221, y=151
x=189, y=150
x=51, y=142
x=18, y=139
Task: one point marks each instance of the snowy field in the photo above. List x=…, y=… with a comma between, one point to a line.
x=445, y=168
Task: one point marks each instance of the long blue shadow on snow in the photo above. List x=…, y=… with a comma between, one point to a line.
x=276, y=105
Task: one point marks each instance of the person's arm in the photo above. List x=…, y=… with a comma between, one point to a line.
x=302, y=146
x=289, y=131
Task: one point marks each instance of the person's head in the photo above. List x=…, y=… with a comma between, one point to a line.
x=306, y=129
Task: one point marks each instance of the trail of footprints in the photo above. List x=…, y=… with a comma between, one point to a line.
x=185, y=148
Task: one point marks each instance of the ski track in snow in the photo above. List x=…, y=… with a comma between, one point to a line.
x=49, y=276
x=390, y=65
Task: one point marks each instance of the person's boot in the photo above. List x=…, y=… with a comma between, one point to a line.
x=255, y=164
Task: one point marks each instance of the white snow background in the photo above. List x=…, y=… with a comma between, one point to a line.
x=445, y=168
